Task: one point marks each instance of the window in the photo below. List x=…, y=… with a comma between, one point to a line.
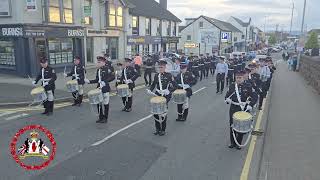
x=60, y=51
x=60, y=11
x=235, y=39
x=7, y=57
x=135, y=25
x=188, y=37
x=158, y=27
x=88, y=20
x=201, y=24
x=115, y=18
x=169, y=28
x=242, y=37
x=175, y=29
x=148, y=26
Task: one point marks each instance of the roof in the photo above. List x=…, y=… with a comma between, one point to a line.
x=150, y=8
x=181, y=28
x=224, y=26
x=244, y=24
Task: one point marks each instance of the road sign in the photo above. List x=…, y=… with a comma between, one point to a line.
x=190, y=45
x=225, y=36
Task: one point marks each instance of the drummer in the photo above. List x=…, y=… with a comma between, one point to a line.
x=163, y=83
x=47, y=76
x=185, y=80
x=128, y=75
x=243, y=92
x=78, y=73
x=104, y=75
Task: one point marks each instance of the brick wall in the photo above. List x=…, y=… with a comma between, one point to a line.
x=310, y=70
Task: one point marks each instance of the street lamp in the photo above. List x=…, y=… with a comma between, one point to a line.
x=301, y=33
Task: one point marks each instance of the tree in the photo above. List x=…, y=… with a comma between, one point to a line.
x=272, y=39
x=313, y=44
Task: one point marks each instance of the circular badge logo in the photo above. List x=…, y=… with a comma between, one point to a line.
x=33, y=147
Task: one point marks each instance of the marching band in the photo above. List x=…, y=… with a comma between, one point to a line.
x=247, y=87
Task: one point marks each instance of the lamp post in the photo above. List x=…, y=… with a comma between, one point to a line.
x=301, y=34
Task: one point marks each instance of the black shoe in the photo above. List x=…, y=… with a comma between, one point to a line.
x=128, y=110
x=100, y=119
x=238, y=148
x=45, y=112
x=260, y=108
x=162, y=133
x=49, y=113
x=103, y=121
x=124, y=109
x=231, y=146
x=217, y=92
x=221, y=92
x=156, y=133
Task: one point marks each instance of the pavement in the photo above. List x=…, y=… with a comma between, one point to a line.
x=16, y=90
x=292, y=146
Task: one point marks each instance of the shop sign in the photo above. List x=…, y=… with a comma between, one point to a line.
x=75, y=32
x=102, y=33
x=12, y=31
x=34, y=33
x=170, y=39
x=190, y=45
x=87, y=11
x=136, y=40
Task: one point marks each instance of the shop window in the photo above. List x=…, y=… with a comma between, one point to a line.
x=175, y=29
x=188, y=37
x=148, y=26
x=60, y=51
x=60, y=11
x=115, y=16
x=169, y=28
x=88, y=20
x=7, y=57
x=135, y=25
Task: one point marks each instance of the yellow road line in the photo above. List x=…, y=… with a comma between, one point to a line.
x=60, y=105
x=246, y=166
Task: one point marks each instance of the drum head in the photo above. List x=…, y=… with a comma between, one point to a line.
x=158, y=99
x=123, y=86
x=242, y=116
x=72, y=82
x=180, y=91
x=94, y=92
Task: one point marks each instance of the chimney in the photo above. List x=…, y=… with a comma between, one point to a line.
x=163, y=4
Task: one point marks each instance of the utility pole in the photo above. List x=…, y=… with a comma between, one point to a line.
x=291, y=17
x=301, y=33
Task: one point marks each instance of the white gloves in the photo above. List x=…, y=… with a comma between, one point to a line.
x=34, y=82
x=165, y=92
x=102, y=84
x=128, y=81
x=45, y=83
x=65, y=75
x=87, y=81
x=228, y=101
x=186, y=86
x=249, y=108
x=149, y=92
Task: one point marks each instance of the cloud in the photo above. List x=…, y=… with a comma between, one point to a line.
x=275, y=11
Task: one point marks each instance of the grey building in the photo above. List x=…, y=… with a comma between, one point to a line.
x=30, y=30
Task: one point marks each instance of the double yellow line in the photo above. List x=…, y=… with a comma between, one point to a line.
x=56, y=106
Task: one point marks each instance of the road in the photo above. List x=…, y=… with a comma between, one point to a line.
x=125, y=148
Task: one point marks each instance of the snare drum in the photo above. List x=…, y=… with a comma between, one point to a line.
x=158, y=105
x=179, y=96
x=95, y=96
x=72, y=86
x=38, y=94
x=242, y=122
x=123, y=90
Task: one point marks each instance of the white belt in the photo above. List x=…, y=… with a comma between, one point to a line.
x=201, y=64
x=230, y=69
x=195, y=66
x=45, y=79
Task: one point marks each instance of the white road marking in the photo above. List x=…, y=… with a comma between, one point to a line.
x=15, y=117
x=6, y=113
x=199, y=90
x=120, y=130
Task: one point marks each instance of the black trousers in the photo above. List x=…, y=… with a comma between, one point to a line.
x=147, y=73
x=207, y=71
x=239, y=136
x=127, y=101
x=264, y=87
x=230, y=78
x=202, y=73
x=160, y=126
x=220, y=82
x=137, y=67
x=212, y=69
x=196, y=73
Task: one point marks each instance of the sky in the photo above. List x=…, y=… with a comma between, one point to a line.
x=265, y=14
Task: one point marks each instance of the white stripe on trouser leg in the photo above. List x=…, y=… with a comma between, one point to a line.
x=106, y=98
x=130, y=93
x=186, y=104
x=50, y=95
x=80, y=91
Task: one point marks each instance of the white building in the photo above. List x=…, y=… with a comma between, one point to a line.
x=151, y=27
x=208, y=35
x=247, y=32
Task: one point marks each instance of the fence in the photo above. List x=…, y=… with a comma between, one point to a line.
x=310, y=70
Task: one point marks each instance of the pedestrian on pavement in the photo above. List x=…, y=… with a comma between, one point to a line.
x=78, y=73
x=105, y=74
x=221, y=74
x=48, y=77
x=290, y=63
x=138, y=63
x=241, y=98
x=163, y=84
x=283, y=56
x=185, y=80
x=265, y=73
x=294, y=62
x=128, y=76
x=149, y=66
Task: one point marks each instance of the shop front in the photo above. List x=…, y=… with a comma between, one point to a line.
x=143, y=44
x=170, y=44
x=22, y=47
